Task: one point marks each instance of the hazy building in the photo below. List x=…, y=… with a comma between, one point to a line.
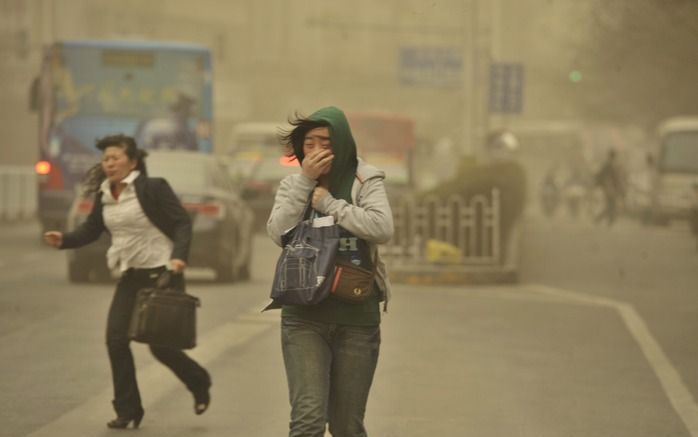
x=429, y=60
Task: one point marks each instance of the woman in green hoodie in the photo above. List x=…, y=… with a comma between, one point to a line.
x=331, y=349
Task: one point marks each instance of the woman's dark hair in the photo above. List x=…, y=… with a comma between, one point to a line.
x=293, y=139
x=95, y=175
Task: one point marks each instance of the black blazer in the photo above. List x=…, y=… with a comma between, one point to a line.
x=160, y=204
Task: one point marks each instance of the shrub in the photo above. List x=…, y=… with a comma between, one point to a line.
x=472, y=178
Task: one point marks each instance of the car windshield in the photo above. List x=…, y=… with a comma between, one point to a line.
x=262, y=164
x=184, y=175
x=680, y=152
x=165, y=133
x=275, y=168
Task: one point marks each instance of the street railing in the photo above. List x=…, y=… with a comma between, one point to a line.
x=18, y=192
x=453, y=230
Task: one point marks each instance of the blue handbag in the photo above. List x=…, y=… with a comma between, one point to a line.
x=305, y=268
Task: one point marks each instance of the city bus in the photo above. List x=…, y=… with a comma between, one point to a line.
x=159, y=92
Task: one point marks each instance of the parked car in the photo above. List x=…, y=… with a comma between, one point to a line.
x=222, y=220
x=676, y=169
x=259, y=173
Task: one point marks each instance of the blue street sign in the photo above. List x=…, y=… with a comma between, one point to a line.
x=506, y=88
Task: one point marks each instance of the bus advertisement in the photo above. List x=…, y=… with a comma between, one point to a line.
x=159, y=92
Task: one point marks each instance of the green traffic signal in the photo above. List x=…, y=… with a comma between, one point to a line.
x=575, y=76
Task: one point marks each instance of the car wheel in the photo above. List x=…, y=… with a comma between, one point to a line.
x=78, y=272
x=244, y=272
x=226, y=270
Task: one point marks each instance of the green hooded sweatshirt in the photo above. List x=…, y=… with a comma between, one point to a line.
x=344, y=150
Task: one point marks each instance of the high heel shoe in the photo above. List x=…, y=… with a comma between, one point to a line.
x=202, y=399
x=122, y=422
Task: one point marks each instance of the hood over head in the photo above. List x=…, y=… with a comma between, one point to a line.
x=344, y=149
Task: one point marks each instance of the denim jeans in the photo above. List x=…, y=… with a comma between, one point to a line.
x=329, y=369
x=127, y=398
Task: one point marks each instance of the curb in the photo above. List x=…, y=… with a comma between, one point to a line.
x=449, y=275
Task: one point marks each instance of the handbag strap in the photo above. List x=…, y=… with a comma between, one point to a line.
x=375, y=264
x=309, y=212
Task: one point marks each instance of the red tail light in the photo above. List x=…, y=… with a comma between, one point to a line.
x=50, y=175
x=42, y=168
x=85, y=206
x=211, y=209
x=289, y=161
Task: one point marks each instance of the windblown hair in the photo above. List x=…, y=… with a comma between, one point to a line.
x=293, y=139
x=95, y=175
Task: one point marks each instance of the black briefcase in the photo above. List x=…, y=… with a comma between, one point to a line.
x=164, y=316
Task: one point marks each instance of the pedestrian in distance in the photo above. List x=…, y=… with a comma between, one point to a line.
x=610, y=180
x=330, y=349
x=549, y=193
x=150, y=233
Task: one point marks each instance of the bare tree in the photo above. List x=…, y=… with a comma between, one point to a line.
x=641, y=61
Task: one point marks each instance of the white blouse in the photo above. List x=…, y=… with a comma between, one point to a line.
x=135, y=241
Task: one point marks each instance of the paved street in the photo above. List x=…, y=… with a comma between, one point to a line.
x=595, y=341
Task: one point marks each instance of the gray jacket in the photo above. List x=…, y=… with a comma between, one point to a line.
x=369, y=217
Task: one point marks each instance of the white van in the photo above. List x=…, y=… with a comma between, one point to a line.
x=676, y=168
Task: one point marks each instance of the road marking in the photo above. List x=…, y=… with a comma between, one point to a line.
x=156, y=381
x=679, y=395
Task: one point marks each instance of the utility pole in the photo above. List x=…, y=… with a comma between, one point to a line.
x=467, y=138
x=477, y=57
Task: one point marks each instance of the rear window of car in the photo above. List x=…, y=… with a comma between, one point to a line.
x=272, y=169
x=188, y=176
x=680, y=152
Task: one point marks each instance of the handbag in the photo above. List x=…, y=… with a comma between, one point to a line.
x=306, y=262
x=352, y=283
x=164, y=315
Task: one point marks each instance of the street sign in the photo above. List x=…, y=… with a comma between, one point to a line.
x=431, y=66
x=506, y=88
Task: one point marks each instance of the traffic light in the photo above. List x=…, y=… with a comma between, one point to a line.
x=575, y=76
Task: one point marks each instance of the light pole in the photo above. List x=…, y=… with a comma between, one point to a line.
x=477, y=57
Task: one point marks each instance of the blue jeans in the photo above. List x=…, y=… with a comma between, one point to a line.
x=329, y=369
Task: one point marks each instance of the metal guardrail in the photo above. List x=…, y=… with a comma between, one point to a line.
x=466, y=231
x=18, y=193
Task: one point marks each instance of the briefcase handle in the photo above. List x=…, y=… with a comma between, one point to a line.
x=165, y=281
